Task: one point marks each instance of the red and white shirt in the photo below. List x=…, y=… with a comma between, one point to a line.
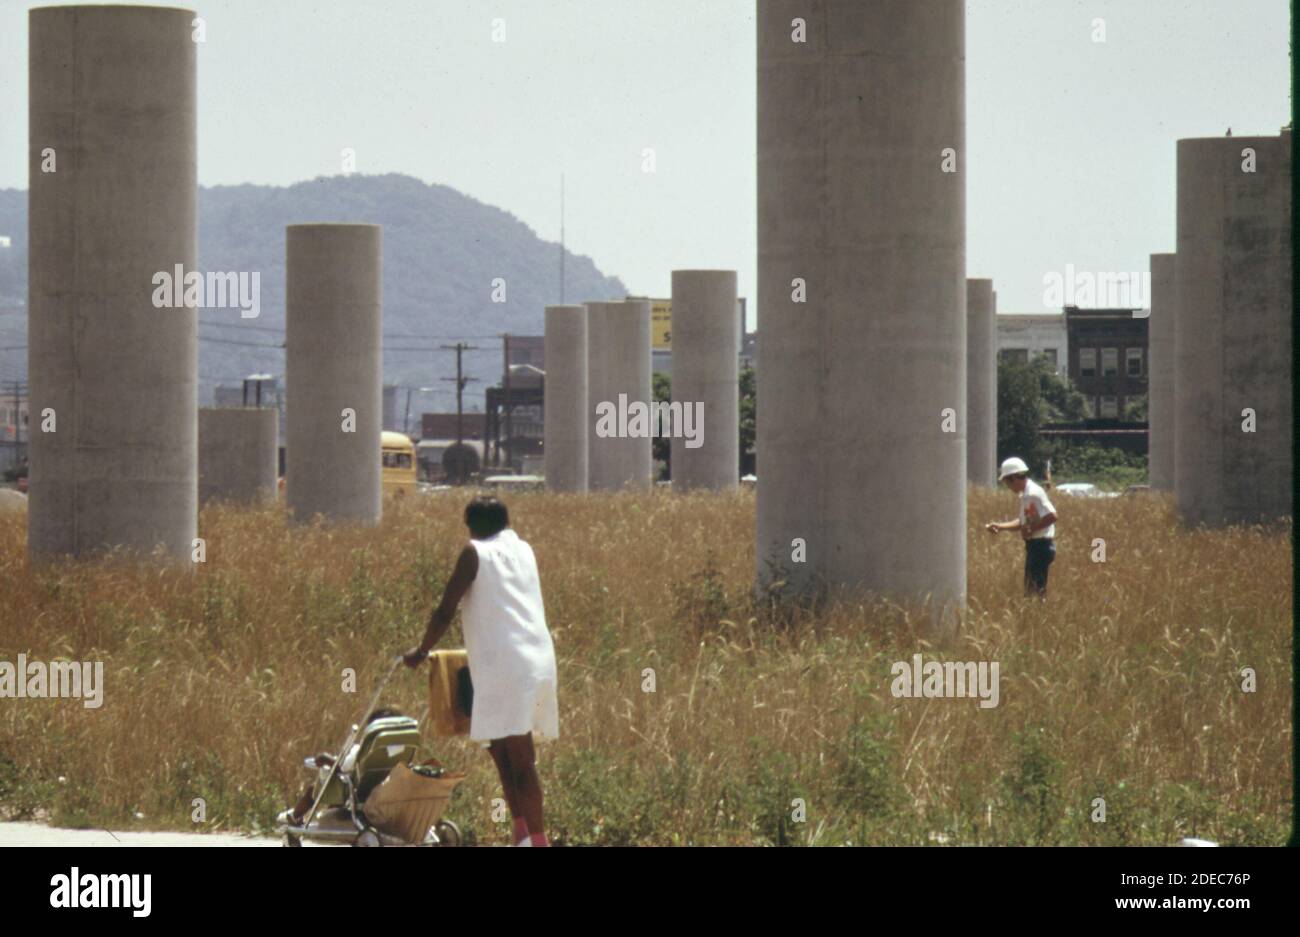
x=1034, y=504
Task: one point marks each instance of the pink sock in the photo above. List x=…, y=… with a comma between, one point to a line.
x=521, y=828
x=538, y=839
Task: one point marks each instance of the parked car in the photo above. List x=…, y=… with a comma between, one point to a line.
x=1085, y=490
x=514, y=482
x=1081, y=490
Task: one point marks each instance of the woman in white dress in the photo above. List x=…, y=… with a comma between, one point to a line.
x=511, y=657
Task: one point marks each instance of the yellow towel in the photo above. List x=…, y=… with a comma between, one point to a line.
x=445, y=716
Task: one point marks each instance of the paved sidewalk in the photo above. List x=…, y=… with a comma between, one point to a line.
x=38, y=834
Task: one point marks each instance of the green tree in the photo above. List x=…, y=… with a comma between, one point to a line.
x=1062, y=403
x=1030, y=395
x=1020, y=413
x=748, y=410
x=661, y=446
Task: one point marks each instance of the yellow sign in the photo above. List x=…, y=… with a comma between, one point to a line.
x=661, y=324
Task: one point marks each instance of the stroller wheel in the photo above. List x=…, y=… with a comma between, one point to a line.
x=368, y=837
x=291, y=840
x=448, y=833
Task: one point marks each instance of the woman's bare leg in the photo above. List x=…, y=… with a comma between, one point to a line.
x=501, y=757
x=528, y=786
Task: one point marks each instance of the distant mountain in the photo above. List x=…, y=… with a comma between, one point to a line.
x=442, y=250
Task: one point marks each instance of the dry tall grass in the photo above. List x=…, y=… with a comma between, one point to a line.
x=1124, y=685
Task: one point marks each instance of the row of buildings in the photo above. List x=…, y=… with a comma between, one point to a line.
x=1105, y=356
x=1102, y=352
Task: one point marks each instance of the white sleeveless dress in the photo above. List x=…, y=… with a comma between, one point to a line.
x=511, y=657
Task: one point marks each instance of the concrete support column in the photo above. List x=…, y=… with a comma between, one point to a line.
x=112, y=178
x=565, y=416
x=1233, y=419
x=618, y=336
x=597, y=390
x=1162, y=394
x=862, y=294
x=333, y=368
x=706, y=379
x=981, y=383
x=238, y=454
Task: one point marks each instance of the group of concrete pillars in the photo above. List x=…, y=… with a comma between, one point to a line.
x=118, y=439
x=133, y=455
x=1220, y=335
x=333, y=378
x=598, y=365
x=871, y=331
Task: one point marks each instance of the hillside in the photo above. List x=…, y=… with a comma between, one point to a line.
x=442, y=250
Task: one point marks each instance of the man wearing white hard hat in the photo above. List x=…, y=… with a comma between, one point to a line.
x=1036, y=523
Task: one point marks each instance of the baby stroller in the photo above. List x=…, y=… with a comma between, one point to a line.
x=371, y=794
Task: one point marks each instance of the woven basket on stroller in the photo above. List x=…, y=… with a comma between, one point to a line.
x=409, y=803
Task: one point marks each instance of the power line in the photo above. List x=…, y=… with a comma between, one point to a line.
x=434, y=338
x=250, y=328
x=234, y=341
x=212, y=339
x=416, y=336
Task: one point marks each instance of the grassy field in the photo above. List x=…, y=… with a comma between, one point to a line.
x=1125, y=685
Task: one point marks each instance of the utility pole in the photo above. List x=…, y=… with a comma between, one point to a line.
x=505, y=350
x=460, y=348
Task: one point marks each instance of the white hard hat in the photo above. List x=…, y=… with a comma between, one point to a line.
x=1013, y=466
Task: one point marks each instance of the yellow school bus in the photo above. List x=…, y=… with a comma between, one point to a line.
x=398, y=455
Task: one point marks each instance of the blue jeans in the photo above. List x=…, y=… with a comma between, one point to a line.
x=1039, y=554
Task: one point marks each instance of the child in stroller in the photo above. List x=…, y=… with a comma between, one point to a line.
x=324, y=760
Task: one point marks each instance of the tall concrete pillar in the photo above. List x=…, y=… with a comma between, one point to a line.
x=1162, y=394
x=565, y=416
x=597, y=390
x=706, y=378
x=862, y=295
x=1233, y=419
x=238, y=454
x=618, y=365
x=981, y=383
x=333, y=372
x=111, y=164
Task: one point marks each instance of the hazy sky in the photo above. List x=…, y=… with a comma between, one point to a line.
x=1070, y=141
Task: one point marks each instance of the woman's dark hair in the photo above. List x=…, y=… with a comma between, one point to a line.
x=486, y=516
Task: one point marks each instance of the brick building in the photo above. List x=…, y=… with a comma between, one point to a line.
x=1108, y=360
